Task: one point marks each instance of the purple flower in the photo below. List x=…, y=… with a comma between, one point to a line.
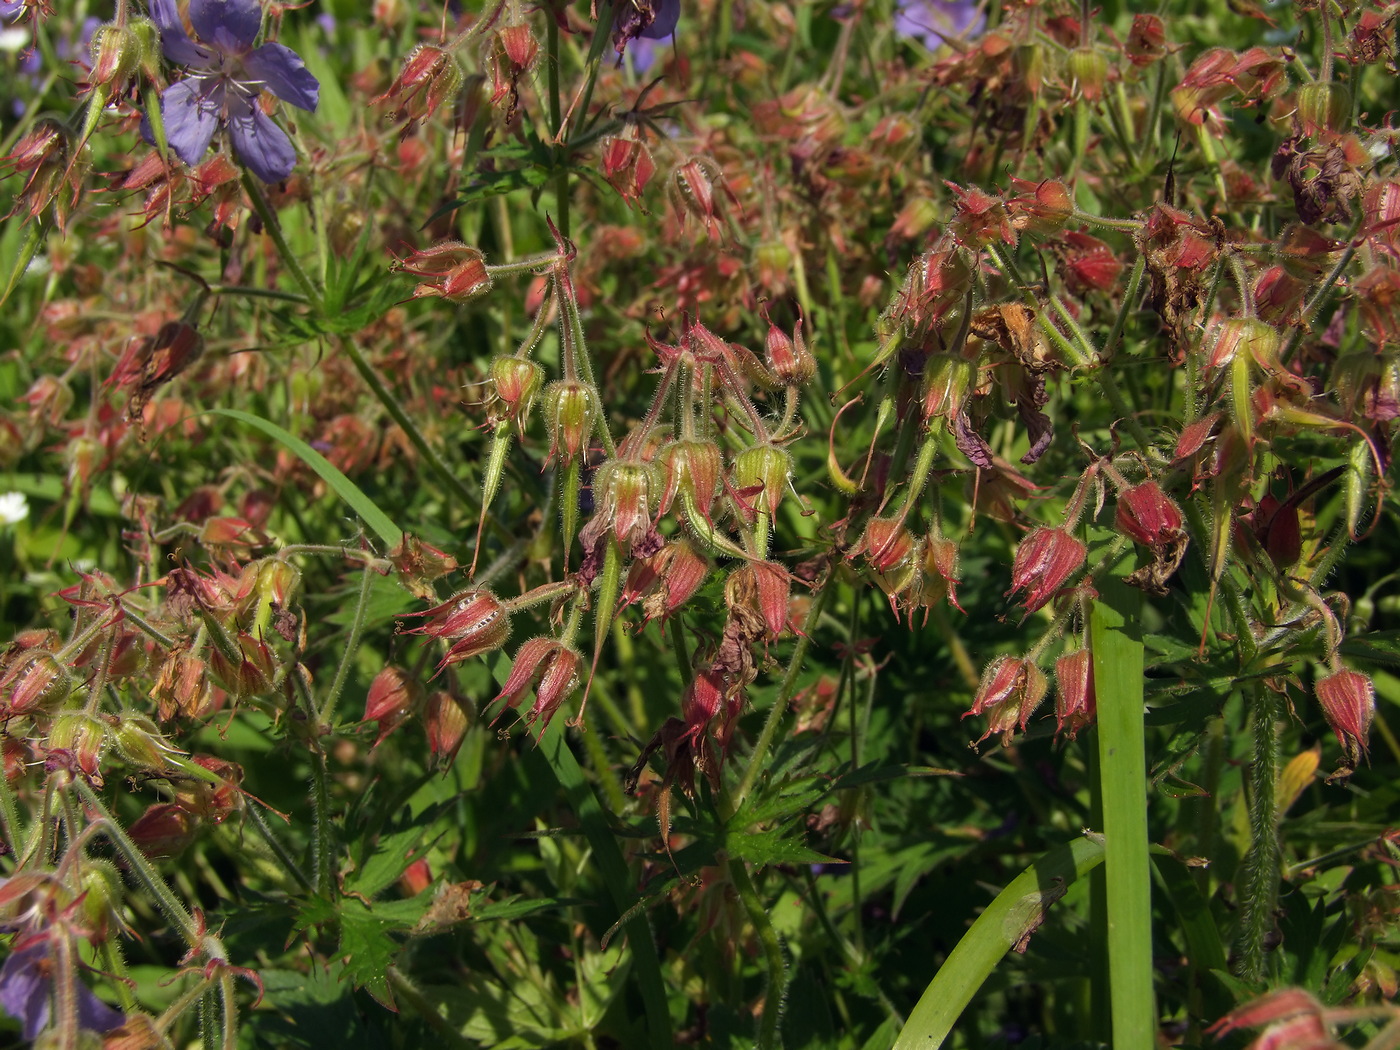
x=26, y=992
x=932, y=22
x=641, y=22
x=226, y=76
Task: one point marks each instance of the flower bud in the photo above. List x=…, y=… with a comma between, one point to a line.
x=1257, y=340
x=788, y=358
x=430, y=77
x=938, y=574
x=82, y=736
x=251, y=675
x=102, y=893
x=473, y=621
x=1089, y=69
x=552, y=667
x=516, y=381
x=570, y=413
x=140, y=744
x=278, y=581
x=761, y=474
x=1324, y=106
x=759, y=589
x=457, y=272
x=445, y=720
x=1348, y=701
x=1045, y=559
x=1148, y=516
x=947, y=380
x=182, y=687
x=1075, y=702
x=213, y=803
x=1042, y=211
x=623, y=492
x=163, y=831
x=892, y=553
x=36, y=682
x=691, y=469
x=628, y=166
x=392, y=697
x=117, y=53
x=1010, y=690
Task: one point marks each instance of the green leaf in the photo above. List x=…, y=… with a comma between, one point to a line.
x=343, y=487
x=773, y=847
x=1015, y=914
x=367, y=946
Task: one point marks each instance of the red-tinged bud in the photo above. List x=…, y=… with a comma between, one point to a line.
x=1256, y=340
x=46, y=155
x=1291, y=1019
x=701, y=702
x=947, y=380
x=229, y=532
x=1045, y=560
x=692, y=470
x=117, y=54
x=1278, y=295
x=212, y=803
x=416, y=878
x=692, y=190
x=915, y=219
x=1010, y=691
x=393, y=697
x=83, y=737
x=102, y=892
x=418, y=564
x=682, y=570
x=624, y=492
x=1277, y=528
x=277, y=581
x=773, y=259
x=516, y=382
x=1087, y=263
x=1043, y=208
x=140, y=744
x=473, y=622
x=182, y=687
x=628, y=166
x=759, y=591
x=513, y=51
x=1194, y=436
x=252, y=675
x=761, y=475
x=1348, y=700
x=980, y=218
x=445, y=721
x=1075, y=702
x=1324, y=106
x=570, y=414
x=163, y=831
x=36, y=682
x=893, y=554
x=49, y=399
x=1146, y=41
x=552, y=668
x=456, y=272
x=1088, y=68
x=1149, y=516
x=788, y=358
x=430, y=77
x=939, y=576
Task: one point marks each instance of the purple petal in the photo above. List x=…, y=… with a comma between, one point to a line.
x=174, y=41
x=259, y=143
x=230, y=25
x=191, y=118
x=933, y=21
x=24, y=987
x=664, y=16
x=94, y=1014
x=285, y=75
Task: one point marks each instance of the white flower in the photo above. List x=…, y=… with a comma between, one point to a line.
x=14, y=508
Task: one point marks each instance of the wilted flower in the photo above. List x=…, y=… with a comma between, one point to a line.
x=430, y=77
x=1075, y=701
x=228, y=74
x=472, y=622
x=647, y=20
x=456, y=272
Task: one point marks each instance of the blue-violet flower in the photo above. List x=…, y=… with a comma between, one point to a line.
x=932, y=22
x=26, y=992
x=227, y=75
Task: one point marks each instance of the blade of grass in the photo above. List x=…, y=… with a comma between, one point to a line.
x=342, y=486
x=1014, y=915
x=1116, y=639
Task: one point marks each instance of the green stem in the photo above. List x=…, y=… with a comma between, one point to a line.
x=1116, y=640
x=561, y=180
x=1259, y=889
x=261, y=826
x=352, y=646
x=399, y=416
x=922, y=468
x=273, y=228
x=772, y=953
x=780, y=702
